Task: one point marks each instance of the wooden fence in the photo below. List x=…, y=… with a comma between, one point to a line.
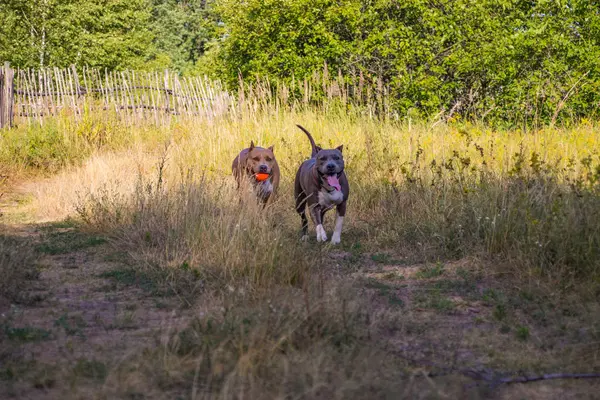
x=31, y=95
x=28, y=95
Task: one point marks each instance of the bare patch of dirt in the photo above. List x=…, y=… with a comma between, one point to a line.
x=82, y=317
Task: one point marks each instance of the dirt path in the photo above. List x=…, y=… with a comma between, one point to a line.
x=84, y=313
x=88, y=312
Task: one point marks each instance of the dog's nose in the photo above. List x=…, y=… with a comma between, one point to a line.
x=330, y=167
x=263, y=168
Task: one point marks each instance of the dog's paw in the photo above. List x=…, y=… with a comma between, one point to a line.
x=322, y=238
x=335, y=239
x=304, y=238
x=321, y=234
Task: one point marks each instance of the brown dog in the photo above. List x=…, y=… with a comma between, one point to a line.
x=322, y=184
x=253, y=163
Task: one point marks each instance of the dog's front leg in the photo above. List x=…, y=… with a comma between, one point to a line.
x=339, y=222
x=316, y=214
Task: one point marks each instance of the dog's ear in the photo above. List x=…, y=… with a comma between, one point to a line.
x=340, y=148
x=251, y=145
x=271, y=148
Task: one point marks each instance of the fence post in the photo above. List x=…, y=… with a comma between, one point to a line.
x=5, y=96
x=1, y=97
x=167, y=98
x=7, y=81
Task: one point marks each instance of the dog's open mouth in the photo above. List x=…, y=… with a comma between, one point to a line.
x=333, y=181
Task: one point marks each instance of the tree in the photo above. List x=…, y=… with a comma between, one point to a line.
x=506, y=59
x=111, y=34
x=182, y=30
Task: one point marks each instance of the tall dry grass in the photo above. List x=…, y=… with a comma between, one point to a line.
x=199, y=227
x=529, y=200
x=274, y=349
x=526, y=202
x=432, y=190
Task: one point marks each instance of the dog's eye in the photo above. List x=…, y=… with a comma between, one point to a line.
x=322, y=158
x=268, y=159
x=256, y=158
x=336, y=158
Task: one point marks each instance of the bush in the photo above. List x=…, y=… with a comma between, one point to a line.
x=516, y=63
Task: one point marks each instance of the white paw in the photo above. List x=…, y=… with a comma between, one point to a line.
x=321, y=234
x=335, y=238
x=337, y=232
x=304, y=238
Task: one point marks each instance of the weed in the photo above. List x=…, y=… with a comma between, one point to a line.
x=434, y=300
x=26, y=334
x=124, y=321
x=467, y=275
x=130, y=277
x=67, y=242
x=526, y=295
x=66, y=224
x=394, y=300
x=71, y=325
x=493, y=194
x=394, y=276
x=430, y=271
x=91, y=369
x=255, y=339
x=492, y=296
x=499, y=312
x=441, y=304
x=377, y=284
x=522, y=333
x=384, y=258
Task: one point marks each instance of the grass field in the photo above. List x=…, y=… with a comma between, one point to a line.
x=468, y=257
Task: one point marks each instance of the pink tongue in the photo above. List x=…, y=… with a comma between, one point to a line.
x=334, y=182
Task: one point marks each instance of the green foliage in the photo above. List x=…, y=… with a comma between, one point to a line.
x=511, y=60
x=59, y=142
x=522, y=333
x=285, y=38
x=182, y=31
x=111, y=34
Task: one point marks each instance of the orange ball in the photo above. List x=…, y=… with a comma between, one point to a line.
x=261, y=177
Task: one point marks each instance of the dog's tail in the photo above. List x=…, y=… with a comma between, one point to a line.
x=315, y=148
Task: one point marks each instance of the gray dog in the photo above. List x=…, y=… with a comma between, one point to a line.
x=321, y=184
